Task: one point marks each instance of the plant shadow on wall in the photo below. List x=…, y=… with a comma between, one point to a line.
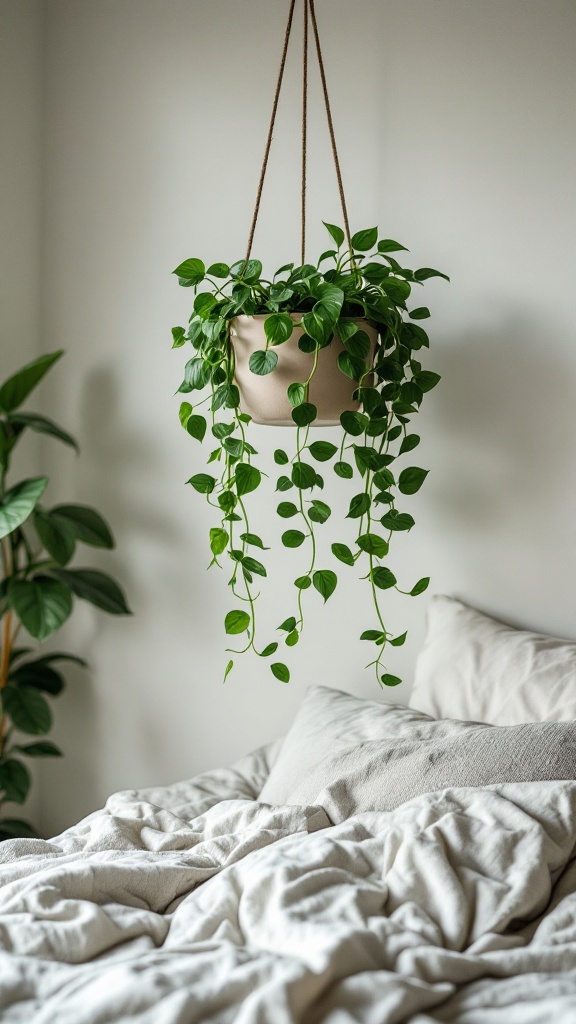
x=37, y=590
x=318, y=344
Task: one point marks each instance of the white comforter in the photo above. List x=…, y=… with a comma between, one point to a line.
x=196, y=903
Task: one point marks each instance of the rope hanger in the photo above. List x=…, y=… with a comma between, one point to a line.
x=309, y=17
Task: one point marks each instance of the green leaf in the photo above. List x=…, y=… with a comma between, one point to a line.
x=397, y=521
x=15, y=828
x=364, y=240
x=16, y=389
x=359, y=346
x=345, y=329
x=204, y=304
x=376, y=635
x=278, y=327
x=354, y=423
x=303, y=475
x=42, y=604
x=281, y=671
x=410, y=441
x=192, y=270
x=43, y=748
x=372, y=544
x=304, y=414
x=389, y=680
x=296, y=393
x=383, y=578
x=330, y=303
x=287, y=509
x=263, y=361
x=18, y=503
x=86, y=524
x=14, y=780
x=221, y=430
x=202, y=483
x=336, y=233
x=254, y=540
x=303, y=582
x=319, y=511
x=293, y=538
x=322, y=450
x=28, y=709
x=422, y=313
x=247, y=478
x=359, y=505
x=236, y=621
x=196, y=427
x=280, y=457
x=55, y=535
x=425, y=272
x=351, y=367
x=184, y=413
x=268, y=650
x=344, y=470
x=343, y=553
x=253, y=565
x=288, y=625
x=389, y=245
x=411, y=479
x=325, y=582
x=42, y=425
x=218, y=270
x=420, y=587
x=426, y=380
x=228, y=670
x=284, y=483
x=398, y=641
x=40, y=675
x=292, y=638
x=196, y=374
x=218, y=540
x=96, y=587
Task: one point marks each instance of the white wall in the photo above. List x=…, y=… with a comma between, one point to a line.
x=457, y=129
x=20, y=212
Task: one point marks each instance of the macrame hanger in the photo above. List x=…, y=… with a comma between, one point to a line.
x=309, y=17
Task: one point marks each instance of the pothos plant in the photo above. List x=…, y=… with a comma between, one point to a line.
x=360, y=280
x=36, y=592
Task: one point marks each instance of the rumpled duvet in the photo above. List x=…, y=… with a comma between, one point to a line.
x=198, y=903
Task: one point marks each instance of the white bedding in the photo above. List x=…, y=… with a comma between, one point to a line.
x=197, y=903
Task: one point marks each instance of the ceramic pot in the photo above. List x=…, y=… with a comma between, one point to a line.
x=264, y=398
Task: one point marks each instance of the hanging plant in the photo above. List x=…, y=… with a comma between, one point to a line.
x=264, y=349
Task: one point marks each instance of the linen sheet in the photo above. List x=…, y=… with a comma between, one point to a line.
x=198, y=903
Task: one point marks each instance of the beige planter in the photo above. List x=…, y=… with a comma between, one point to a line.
x=264, y=398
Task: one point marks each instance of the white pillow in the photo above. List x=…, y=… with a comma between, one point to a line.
x=476, y=668
x=329, y=721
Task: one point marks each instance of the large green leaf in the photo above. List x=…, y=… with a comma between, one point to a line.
x=40, y=675
x=192, y=271
x=94, y=586
x=15, y=828
x=263, y=361
x=247, y=478
x=42, y=604
x=42, y=748
x=336, y=232
x=56, y=536
x=411, y=479
x=14, y=780
x=28, y=709
x=236, y=621
x=86, y=524
x=364, y=240
x=42, y=425
x=18, y=387
x=325, y=581
x=278, y=327
x=18, y=503
x=280, y=671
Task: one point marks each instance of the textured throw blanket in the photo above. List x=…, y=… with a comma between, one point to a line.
x=197, y=903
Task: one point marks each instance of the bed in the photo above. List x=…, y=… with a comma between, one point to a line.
x=381, y=864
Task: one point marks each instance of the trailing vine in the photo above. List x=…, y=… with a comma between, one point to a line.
x=367, y=283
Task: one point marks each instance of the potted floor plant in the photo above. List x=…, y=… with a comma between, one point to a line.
x=37, y=590
x=339, y=341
